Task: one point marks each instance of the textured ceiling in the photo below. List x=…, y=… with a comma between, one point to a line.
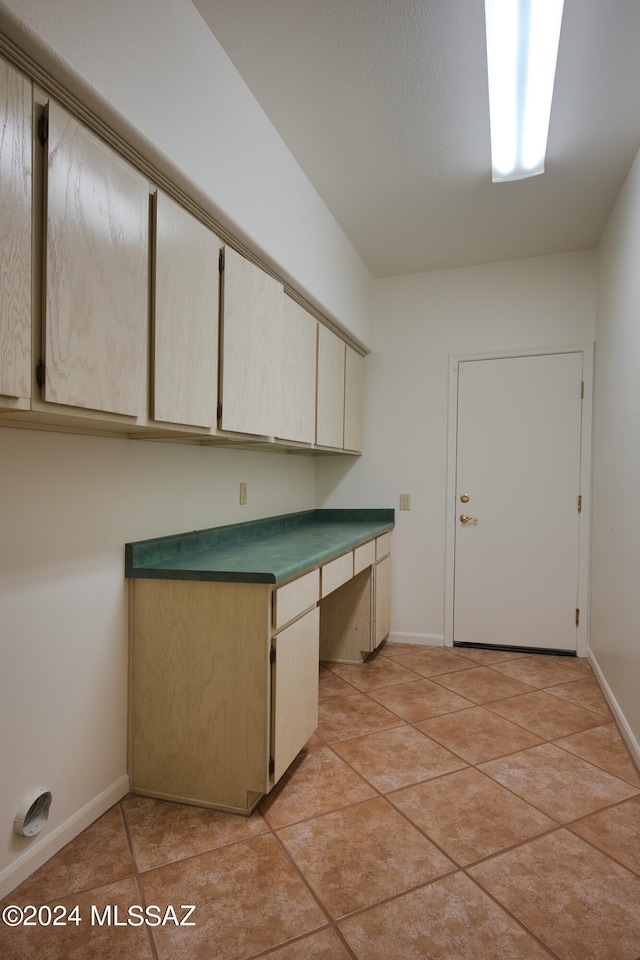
x=384, y=105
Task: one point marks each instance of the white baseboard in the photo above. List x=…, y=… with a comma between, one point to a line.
x=627, y=733
x=419, y=639
x=43, y=849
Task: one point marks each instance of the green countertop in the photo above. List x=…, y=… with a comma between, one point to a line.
x=261, y=551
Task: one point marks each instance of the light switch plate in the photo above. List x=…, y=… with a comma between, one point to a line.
x=243, y=494
x=405, y=501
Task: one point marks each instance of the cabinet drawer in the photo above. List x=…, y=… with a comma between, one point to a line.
x=337, y=572
x=364, y=556
x=295, y=597
x=383, y=545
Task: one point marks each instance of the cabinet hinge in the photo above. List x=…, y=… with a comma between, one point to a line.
x=577, y=616
x=43, y=129
x=272, y=655
x=40, y=373
x=221, y=261
x=582, y=390
x=580, y=504
x=272, y=766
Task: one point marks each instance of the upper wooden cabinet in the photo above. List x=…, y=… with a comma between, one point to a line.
x=251, y=324
x=122, y=312
x=185, y=352
x=353, y=386
x=15, y=234
x=330, y=410
x=268, y=356
x=96, y=315
x=339, y=405
x=297, y=372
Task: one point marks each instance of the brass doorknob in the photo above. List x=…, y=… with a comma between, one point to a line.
x=465, y=518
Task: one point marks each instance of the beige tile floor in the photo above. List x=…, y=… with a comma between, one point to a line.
x=453, y=804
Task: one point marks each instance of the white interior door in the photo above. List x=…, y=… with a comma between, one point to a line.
x=518, y=462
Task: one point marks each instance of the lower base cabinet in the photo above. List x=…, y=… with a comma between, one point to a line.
x=214, y=717
x=223, y=677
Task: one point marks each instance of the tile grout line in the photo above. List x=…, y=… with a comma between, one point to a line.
x=514, y=918
x=592, y=762
x=138, y=882
x=331, y=922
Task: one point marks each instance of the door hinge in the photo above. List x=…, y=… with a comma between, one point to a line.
x=272, y=766
x=43, y=129
x=577, y=616
x=40, y=373
x=219, y=411
x=580, y=504
x=221, y=261
x=582, y=390
x=272, y=655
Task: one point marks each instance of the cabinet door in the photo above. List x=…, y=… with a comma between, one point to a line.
x=251, y=325
x=353, y=383
x=185, y=355
x=297, y=362
x=330, y=412
x=294, y=689
x=382, y=600
x=96, y=278
x=15, y=236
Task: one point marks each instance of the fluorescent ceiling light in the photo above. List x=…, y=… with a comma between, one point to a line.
x=522, y=49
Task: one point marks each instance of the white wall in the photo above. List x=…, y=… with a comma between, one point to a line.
x=418, y=322
x=154, y=71
x=615, y=581
x=68, y=505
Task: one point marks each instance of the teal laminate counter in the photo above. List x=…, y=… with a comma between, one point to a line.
x=260, y=551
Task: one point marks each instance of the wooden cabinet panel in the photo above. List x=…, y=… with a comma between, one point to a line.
x=382, y=600
x=251, y=325
x=15, y=235
x=294, y=689
x=383, y=545
x=353, y=386
x=297, y=362
x=330, y=408
x=336, y=572
x=186, y=282
x=364, y=556
x=295, y=597
x=199, y=679
x=96, y=276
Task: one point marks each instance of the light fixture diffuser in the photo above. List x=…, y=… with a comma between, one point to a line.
x=522, y=50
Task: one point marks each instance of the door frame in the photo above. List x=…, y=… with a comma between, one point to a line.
x=584, y=519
